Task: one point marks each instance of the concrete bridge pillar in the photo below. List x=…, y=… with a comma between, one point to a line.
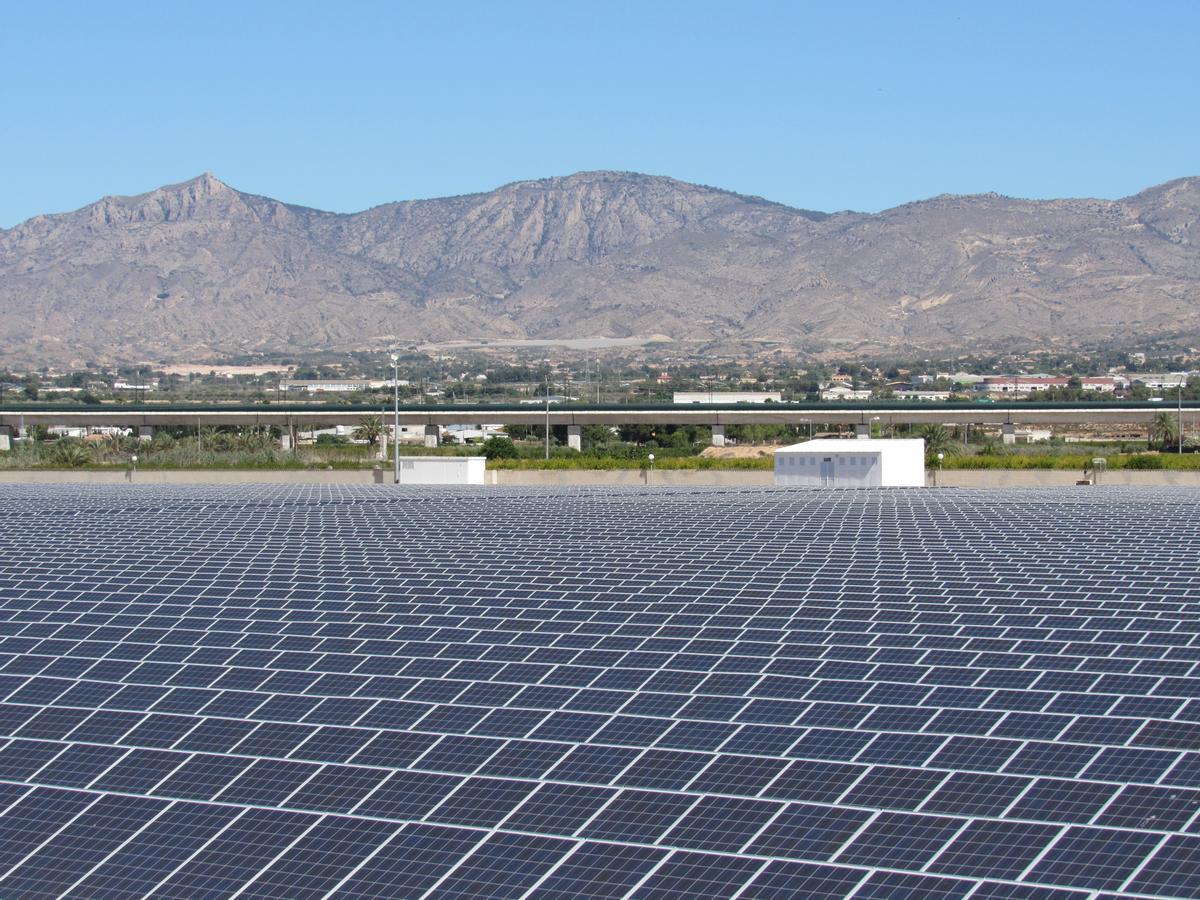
x=285, y=442
x=575, y=437
x=432, y=435
x=5, y=438
x=862, y=431
x=718, y=435
x=382, y=454
x=1008, y=432
x=145, y=432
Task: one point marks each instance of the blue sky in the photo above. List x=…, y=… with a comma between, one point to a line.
x=346, y=105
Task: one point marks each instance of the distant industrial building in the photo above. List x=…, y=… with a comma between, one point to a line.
x=336, y=386
x=923, y=396
x=150, y=384
x=1158, y=380
x=728, y=397
x=1025, y=385
x=843, y=392
x=862, y=463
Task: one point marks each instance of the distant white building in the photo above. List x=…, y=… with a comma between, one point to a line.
x=1032, y=435
x=862, y=463
x=844, y=393
x=1158, y=380
x=962, y=378
x=554, y=398
x=335, y=386
x=728, y=397
x=925, y=396
x=463, y=434
x=1025, y=385
x=149, y=384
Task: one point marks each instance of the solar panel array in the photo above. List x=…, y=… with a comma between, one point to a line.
x=304, y=692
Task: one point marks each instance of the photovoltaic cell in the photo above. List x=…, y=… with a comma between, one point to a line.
x=309, y=691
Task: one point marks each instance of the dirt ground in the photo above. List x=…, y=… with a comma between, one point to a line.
x=741, y=451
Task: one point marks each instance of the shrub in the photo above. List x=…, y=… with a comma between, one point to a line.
x=1144, y=461
x=500, y=448
x=71, y=453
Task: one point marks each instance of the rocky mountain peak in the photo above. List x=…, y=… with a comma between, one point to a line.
x=199, y=268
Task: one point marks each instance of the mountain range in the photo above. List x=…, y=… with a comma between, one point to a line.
x=200, y=270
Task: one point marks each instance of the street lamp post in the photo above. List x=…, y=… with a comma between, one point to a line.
x=395, y=418
x=1179, y=411
x=547, y=417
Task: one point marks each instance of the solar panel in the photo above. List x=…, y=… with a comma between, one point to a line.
x=326, y=691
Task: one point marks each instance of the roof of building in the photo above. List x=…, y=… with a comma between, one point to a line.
x=847, y=445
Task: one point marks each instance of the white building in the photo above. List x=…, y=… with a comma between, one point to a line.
x=844, y=392
x=728, y=397
x=338, y=386
x=923, y=396
x=1024, y=385
x=150, y=384
x=866, y=462
x=1158, y=380
x=442, y=469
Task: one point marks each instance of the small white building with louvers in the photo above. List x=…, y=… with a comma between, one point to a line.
x=862, y=463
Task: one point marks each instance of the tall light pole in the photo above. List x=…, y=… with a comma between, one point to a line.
x=395, y=418
x=547, y=415
x=1179, y=411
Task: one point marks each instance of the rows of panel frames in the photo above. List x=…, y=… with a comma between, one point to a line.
x=304, y=692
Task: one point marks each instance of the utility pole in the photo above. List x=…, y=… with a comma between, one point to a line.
x=395, y=418
x=547, y=415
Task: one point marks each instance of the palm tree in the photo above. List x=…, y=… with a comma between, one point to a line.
x=938, y=439
x=1164, y=430
x=369, y=429
x=70, y=452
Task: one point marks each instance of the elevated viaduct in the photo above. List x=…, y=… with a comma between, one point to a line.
x=290, y=417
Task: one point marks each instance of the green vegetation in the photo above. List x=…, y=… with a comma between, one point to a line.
x=1075, y=460
x=369, y=429
x=939, y=439
x=580, y=461
x=1164, y=430
x=674, y=447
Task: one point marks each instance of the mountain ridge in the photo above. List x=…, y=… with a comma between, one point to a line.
x=200, y=268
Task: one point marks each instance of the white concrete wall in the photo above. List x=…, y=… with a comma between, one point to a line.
x=442, y=469
x=903, y=462
x=965, y=478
